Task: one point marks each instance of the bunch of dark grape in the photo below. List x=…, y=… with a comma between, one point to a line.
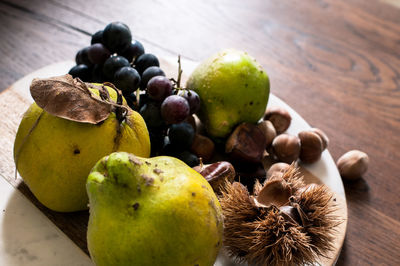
x=168, y=111
x=166, y=107
x=114, y=57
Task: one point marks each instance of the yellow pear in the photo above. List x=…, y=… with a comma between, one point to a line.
x=54, y=155
x=156, y=211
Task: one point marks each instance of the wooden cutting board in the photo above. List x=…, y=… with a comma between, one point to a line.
x=16, y=99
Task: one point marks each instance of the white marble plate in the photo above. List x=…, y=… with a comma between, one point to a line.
x=29, y=238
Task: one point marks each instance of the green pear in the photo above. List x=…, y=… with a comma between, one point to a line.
x=233, y=88
x=54, y=155
x=155, y=211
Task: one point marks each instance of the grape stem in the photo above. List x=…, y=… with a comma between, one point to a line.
x=178, y=82
x=138, y=98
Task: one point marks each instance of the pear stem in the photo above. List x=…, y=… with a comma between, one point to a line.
x=120, y=110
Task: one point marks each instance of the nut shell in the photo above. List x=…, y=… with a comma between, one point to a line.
x=246, y=144
x=269, y=131
x=279, y=117
x=353, y=164
x=286, y=147
x=203, y=147
x=311, y=146
x=277, y=169
x=217, y=173
x=323, y=136
x=275, y=192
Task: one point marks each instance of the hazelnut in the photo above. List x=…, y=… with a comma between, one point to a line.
x=203, y=147
x=311, y=146
x=353, y=164
x=323, y=136
x=286, y=147
x=279, y=117
x=277, y=169
x=246, y=143
x=269, y=131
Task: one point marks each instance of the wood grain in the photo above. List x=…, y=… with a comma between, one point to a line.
x=335, y=62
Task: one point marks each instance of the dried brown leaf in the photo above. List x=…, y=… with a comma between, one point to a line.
x=69, y=98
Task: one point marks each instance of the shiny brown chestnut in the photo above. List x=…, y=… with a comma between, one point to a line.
x=217, y=173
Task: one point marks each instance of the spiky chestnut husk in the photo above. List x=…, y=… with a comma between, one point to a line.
x=262, y=235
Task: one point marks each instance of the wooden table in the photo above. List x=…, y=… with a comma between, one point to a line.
x=337, y=63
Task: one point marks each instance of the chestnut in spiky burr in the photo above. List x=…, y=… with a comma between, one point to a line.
x=265, y=229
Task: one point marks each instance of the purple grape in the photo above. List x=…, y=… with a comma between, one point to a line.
x=117, y=37
x=98, y=53
x=82, y=57
x=81, y=71
x=97, y=74
x=148, y=74
x=189, y=158
x=181, y=135
x=193, y=99
x=131, y=99
x=159, y=87
x=175, y=109
x=112, y=64
x=157, y=141
x=97, y=37
x=144, y=61
x=127, y=79
x=151, y=115
x=134, y=50
x=143, y=99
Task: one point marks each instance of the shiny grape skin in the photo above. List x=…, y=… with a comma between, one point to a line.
x=193, y=99
x=149, y=73
x=157, y=141
x=117, y=37
x=175, y=109
x=143, y=99
x=181, y=135
x=81, y=71
x=97, y=74
x=127, y=79
x=159, y=87
x=82, y=57
x=131, y=100
x=98, y=53
x=144, y=61
x=97, y=37
x=112, y=64
x=152, y=115
x=189, y=158
x=134, y=50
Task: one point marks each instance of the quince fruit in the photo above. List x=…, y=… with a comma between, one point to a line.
x=59, y=142
x=155, y=211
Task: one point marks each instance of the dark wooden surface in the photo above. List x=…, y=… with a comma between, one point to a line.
x=337, y=63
